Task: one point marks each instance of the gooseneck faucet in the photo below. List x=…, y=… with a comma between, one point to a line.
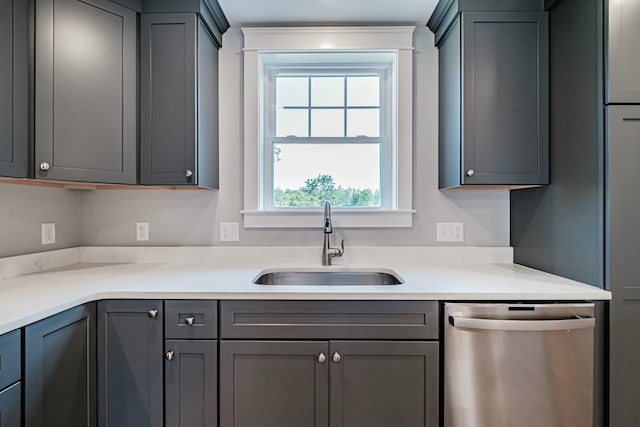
x=327, y=251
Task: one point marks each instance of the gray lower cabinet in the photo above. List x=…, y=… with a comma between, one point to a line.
x=10, y=375
x=494, y=93
x=383, y=383
x=191, y=383
x=274, y=383
x=622, y=42
x=179, y=101
x=60, y=370
x=623, y=239
x=335, y=383
x=130, y=363
x=14, y=88
x=86, y=90
x=329, y=363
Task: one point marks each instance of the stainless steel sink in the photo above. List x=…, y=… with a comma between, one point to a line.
x=328, y=278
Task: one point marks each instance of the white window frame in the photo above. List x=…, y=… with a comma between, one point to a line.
x=396, y=210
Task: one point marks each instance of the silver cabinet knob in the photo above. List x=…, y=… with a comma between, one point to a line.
x=322, y=358
x=188, y=173
x=470, y=172
x=153, y=313
x=44, y=166
x=189, y=320
x=336, y=357
x=169, y=355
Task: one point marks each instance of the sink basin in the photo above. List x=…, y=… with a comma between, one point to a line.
x=328, y=278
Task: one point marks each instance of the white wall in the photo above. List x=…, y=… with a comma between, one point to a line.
x=24, y=208
x=191, y=217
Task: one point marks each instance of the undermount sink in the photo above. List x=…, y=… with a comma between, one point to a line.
x=328, y=278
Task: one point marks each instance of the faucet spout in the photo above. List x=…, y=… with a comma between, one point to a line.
x=327, y=251
x=328, y=226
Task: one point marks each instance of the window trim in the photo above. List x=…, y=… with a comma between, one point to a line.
x=258, y=40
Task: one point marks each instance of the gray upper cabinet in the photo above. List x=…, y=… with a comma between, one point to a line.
x=14, y=88
x=179, y=95
x=85, y=98
x=622, y=44
x=494, y=94
x=60, y=370
x=130, y=363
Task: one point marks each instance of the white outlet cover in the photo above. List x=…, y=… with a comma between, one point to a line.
x=229, y=232
x=48, y=233
x=450, y=232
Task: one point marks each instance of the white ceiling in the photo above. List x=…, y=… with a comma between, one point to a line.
x=308, y=12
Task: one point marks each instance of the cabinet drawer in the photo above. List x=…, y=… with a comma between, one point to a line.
x=329, y=319
x=10, y=370
x=191, y=319
x=11, y=406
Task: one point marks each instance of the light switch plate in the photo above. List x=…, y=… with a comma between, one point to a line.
x=229, y=232
x=450, y=232
x=142, y=231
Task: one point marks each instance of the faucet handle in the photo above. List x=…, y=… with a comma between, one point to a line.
x=335, y=252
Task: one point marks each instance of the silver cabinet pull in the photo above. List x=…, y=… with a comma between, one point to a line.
x=189, y=320
x=188, y=173
x=336, y=357
x=169, y=355
x=44, y=166
x=322, y=358
x=470, y=172
x=153, y=313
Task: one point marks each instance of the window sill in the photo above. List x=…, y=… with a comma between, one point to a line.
x=342, y=218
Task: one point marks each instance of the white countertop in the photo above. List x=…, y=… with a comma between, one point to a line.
x=29, y=298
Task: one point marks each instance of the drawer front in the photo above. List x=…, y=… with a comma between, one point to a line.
x=329, y=319
x=191, y=319
x=11, y=406
x=10, y=370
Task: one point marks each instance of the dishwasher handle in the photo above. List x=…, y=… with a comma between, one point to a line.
x=522, y=325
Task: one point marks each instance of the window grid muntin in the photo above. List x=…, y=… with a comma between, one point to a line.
x=386, y=108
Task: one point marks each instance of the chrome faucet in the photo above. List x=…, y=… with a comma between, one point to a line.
x=327, y=251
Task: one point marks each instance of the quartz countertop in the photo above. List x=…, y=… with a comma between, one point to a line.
x=32, y=297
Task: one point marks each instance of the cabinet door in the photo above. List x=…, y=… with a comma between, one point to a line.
x=168, y=120
x=10, y=406
x=14, y=88
x=60, y=370
x=381, y=384
x=623, y=52
x=623, y=239
x=505, y=135
x=85, y=105
x=191, y=383
x=130, y=363
x=274, y=384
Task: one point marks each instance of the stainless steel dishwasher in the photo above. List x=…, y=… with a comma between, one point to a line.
x=524, y=365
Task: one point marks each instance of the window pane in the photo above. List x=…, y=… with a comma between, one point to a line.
x=326, y=123
x=308, y=174
x=363, y=91
x=292, y=91
x=292, y=122
x=327, y=91
x=363, y=122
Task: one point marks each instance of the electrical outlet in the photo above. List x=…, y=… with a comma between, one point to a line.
x=450, y=232
x=48, y=233
x=142, y=231
x=229, y=232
